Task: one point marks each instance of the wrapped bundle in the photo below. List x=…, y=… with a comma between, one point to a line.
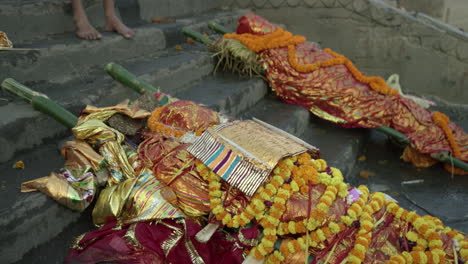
x=331, y=87
x=302, y=211
x=273, y=198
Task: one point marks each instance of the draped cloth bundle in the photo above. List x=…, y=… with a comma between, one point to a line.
x=331, y=87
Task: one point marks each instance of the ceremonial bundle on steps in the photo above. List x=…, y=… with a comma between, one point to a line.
x=195, y=187
x=332, y=88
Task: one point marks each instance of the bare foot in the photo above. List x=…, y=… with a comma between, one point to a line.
x=85, y=30
x=113, y=24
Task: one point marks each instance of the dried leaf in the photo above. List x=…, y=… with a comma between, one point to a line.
x=190, y=41
x=178, y=47
x=19, y=165
x=362, y=158
x=366, y=174
x=162, y=20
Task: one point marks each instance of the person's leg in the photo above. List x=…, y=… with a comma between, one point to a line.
x=113, y=23
x=84, y=29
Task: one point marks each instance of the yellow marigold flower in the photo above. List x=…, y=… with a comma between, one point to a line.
x=278, y=179
x=322, y=207
x=279, y=200
x=412, y=236
x=312, y=224
x=410, y=216
x=294, y=186
x=321, y=235
x=407, y=257
x=265, y=196
x=421, y=242
x=464, y=253
x=334, y=227
x=302, y=242
x=216, y=193
x=217, y=210
x=290, y=247
x=226, y=219
x=354, y=259
x=422, y=257
x=321, y=164
x=278, y=255
x=347, y=220
x=360, y=247
x=284, y=192
x=336, y=173
x=327, y=200
x=261, y=250
x=435, y=243
x=399, y=212
x=268, y=243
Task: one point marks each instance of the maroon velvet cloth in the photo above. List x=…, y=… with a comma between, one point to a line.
x=109, y=244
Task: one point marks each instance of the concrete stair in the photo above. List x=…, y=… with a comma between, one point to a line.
x=70, y=71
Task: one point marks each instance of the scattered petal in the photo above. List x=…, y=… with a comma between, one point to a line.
x=178, y=47
x=19, y=165
x=162, y=20
x=366, y=174
x=190, y=41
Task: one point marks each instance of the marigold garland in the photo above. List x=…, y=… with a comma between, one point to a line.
x=426, y=227
x=443, y=121
x=292, y=175
x=281, y=38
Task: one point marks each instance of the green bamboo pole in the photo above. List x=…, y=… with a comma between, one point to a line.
x=218, y=28
x=443, y=157
x=400, y=137
x=128, y=79
x=41, y=102
x=197, y=36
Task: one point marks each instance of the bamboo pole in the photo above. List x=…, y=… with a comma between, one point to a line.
x=197, y=36
x=128, y=79
x=400, y=137
x=218, y=28
x=41, y=102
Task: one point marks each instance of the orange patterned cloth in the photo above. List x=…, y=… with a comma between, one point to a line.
x=334, y=94
x=179, y=117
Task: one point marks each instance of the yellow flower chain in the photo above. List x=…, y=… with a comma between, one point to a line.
x=425, y=227
x=364, y=235
x=278, y=191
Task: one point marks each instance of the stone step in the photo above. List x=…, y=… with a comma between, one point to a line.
x=29, y=20
x=26, y=20
x=64, y=57
x=226, y=93
x=175, y=8
x=431, y=190
x=290, y=118
x=27, y=128
x=229, y=94
x=339, y=146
